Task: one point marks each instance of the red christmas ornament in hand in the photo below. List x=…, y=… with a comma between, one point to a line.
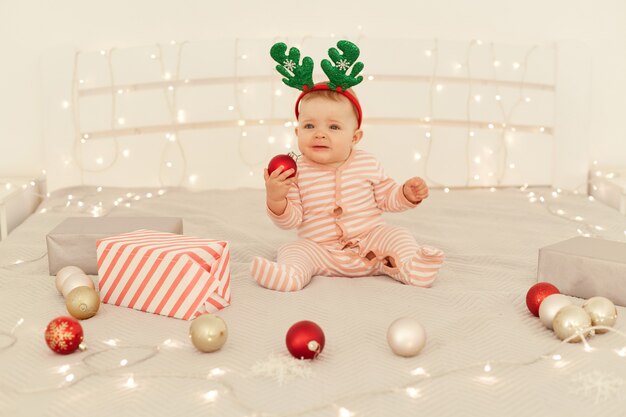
x=286, y=161
x=64, y=335
x=536, y=295
x=305, y=340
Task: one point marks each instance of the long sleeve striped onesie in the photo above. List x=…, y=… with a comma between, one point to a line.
x=338, y=213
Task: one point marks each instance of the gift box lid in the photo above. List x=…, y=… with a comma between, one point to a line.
x=587, y=247
x=114, y=225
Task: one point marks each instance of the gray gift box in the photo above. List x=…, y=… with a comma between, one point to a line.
x=73, y=242
x=585, y=267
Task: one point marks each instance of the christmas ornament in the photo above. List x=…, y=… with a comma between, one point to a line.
x=305, y=340
x=537, y=293
x=74, y=281
x=550, y=306
x=602, y=312
x=208, y=333
x=63, y=274
x=406, y=337
x=82, y=302
x=571, y=320
x=286, y=161
x=64, y=335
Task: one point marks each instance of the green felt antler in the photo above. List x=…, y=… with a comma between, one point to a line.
x=337, y=70
x=296, y=75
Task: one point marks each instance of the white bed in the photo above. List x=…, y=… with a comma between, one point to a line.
x=485, y=352
x=485, y=124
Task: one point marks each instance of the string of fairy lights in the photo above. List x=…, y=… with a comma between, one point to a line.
x=594, y=385
x=253, y=161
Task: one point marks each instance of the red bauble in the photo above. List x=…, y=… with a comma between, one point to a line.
x=64, y=335
x=286, y=161
x=536, y=295
x=305, y=340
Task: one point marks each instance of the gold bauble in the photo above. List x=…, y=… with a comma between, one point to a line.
x=602, y=312
x=571, y=320
x=208, y=333
x=82, y=302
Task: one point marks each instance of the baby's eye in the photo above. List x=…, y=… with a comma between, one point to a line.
x=334, y=127
x=308, y=126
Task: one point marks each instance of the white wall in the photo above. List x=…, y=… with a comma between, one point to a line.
x=30, y=27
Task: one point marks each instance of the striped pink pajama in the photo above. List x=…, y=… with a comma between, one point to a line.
x=338, y=215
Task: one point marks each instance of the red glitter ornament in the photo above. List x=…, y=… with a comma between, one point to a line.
x=64, y=335
x=536, y=295
x=286, y=161
x=305, y=340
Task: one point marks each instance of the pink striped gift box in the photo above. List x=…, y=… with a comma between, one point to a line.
x=164, y=273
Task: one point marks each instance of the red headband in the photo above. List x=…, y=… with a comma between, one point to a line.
x=346, y=94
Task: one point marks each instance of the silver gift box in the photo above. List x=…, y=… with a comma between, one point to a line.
x=73, y=242
x=585, y=267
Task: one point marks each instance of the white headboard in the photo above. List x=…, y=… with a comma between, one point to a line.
x=211, y=114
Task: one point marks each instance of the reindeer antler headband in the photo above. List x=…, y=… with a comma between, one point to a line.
x=300, y=75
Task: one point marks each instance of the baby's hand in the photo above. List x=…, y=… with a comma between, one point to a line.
x=277, y=184
x=415, y=190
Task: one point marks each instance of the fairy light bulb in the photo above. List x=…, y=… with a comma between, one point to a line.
x=211, y=396
x=344, y=412
x=370, y=78
x=278, y=92
x=417, y=156
x=413, y=392
x=130, y=382
x=477, y=98
x=516, y=65
x=231, y=108
x=428, y=53
x=65, y=104
x=241, y=123
x=439, y=87
x=498, y=97
x=271, y=139
x=496, y=63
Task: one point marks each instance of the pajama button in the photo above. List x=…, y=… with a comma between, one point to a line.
x=338, y=211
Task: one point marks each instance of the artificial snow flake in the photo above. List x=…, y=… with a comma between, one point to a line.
x=343, y=64
x=289, y=65
x=282, y=368
x=597, y=385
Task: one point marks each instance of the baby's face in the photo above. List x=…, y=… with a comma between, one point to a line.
x=327, y=130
